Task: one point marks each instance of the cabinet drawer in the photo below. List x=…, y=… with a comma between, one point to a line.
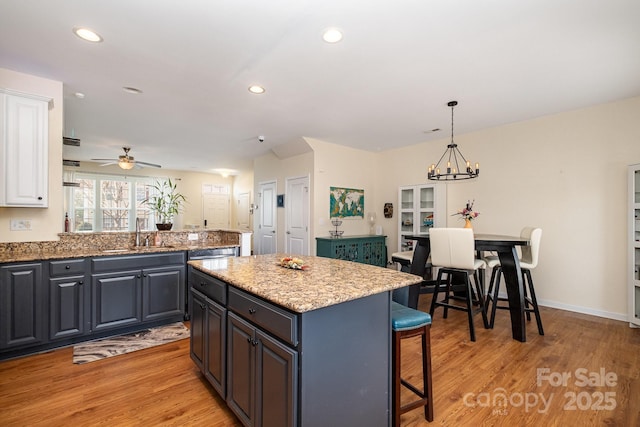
x=210, y=286
x=279, y=322
x=67, y=267
x=124, y=262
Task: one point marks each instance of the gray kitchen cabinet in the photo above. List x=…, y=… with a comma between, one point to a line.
x=208, y=328
x=162, y=292
x=22, y=305
x=131, y=289
x=68, y=298
x=262, y=376
x=198, y=328
x=262, y=373
x=116, y=299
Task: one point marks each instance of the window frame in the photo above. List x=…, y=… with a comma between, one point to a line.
x=98, y=223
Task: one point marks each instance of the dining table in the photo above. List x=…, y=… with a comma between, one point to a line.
x=506, y=249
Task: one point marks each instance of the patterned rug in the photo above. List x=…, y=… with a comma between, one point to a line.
x=101, y=349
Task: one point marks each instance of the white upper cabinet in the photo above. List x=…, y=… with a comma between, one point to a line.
x=24, y=149
x=420, y=207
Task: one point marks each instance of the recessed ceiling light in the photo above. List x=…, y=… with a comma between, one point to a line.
x=87, y=34
x=79, y=95
x=256, y=89
x=332, y=35
x=133, y=90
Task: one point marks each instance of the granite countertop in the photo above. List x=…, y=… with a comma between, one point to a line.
x=63, y=253
x=326, y=282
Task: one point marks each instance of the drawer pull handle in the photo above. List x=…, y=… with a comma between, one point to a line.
x=252, y=311
x=81, y=282
x=203, y=306
x=67, y=267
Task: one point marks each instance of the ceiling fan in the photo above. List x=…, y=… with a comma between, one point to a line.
x=126, y=161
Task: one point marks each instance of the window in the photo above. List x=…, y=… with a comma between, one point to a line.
x=109, y=202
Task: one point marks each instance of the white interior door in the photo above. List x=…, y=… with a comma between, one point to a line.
x=297, y=216
x=215, y=211
x=242, y=213
x=267, y=225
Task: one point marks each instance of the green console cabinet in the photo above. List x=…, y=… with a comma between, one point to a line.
x=364, y=249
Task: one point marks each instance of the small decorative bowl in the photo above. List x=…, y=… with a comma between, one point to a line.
x=336, y=233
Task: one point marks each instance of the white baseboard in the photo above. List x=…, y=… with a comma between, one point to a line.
x=578, y=309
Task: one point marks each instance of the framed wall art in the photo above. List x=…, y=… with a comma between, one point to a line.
x=346, y=203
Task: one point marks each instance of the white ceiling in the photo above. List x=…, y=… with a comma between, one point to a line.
x=385, y=84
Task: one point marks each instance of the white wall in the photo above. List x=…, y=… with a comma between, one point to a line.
x=46, y=222
x=339, y=166
x=271, y=168
x=565, y=173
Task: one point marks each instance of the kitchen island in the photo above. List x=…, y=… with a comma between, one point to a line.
x=296, y=347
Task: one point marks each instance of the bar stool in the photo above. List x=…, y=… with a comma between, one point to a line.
x=452, y=251
x=528, y=261
x=406, y=323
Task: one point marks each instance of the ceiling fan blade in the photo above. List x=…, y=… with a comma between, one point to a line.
x=104, y=160
x=153, y=165
x=109, y=163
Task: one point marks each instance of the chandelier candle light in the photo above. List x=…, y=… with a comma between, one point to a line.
x=454, y=159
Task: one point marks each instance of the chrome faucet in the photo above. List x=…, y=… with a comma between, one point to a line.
x=137, y=231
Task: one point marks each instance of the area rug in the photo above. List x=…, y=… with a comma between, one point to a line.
x=92, y=351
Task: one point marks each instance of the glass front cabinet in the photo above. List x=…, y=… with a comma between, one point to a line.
x=634, y=245
x=420, y=207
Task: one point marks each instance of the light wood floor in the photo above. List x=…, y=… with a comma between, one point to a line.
x=161, y=386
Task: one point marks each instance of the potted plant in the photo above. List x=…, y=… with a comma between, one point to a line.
x=166, y=202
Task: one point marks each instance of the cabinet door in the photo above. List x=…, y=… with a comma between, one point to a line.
x=374, y=252
x=241, y=369
x=215, y=354
x=26, y=135
x=22, y=297
x=162, y=292
x=198, y=308
x=116, y=299
x=66, y=307
x=276, y=383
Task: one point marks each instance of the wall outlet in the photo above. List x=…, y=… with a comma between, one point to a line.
x=20, y=224
x=192, y=236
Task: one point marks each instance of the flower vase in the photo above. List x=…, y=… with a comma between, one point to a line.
x=467, y=223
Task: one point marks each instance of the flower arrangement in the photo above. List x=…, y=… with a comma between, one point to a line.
x=467, y=213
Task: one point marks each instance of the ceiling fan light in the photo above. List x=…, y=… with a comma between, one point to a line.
x=125, y=164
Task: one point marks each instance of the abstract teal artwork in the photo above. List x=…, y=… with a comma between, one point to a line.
x=346, y=203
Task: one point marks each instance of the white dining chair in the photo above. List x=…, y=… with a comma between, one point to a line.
x=528, y=261
x=453, y=253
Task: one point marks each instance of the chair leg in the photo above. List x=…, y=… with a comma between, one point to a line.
x=472, y=331
x=447, y=294
x=426, y=394
x=534, y=301
x=483, y=307
x=494, y=298
x=436, y=291
x=528, y=305
x=426, y=372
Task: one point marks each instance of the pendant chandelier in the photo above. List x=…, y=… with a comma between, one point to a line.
x=453, y=170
